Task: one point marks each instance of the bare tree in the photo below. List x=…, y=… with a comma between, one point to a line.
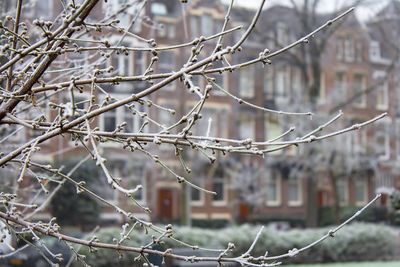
x=37, y=75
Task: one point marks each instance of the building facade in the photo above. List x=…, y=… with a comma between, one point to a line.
x=356, y=72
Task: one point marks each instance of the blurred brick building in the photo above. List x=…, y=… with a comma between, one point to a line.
x=285, y=185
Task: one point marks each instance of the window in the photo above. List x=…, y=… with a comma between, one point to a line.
x=273, y=129
x=139, y=63
x=357, y=142
x=274, y=189
x=194, y=26
x=340, y=87
x=282, y=82
x=359, y=89
x=165, y=117
x=214, y=121
x=197, y=196
x=270, y=40
x=359, y=51
x=110, y=120
x=206, y=25
x=123, y=62
x=342, y=191
x=349, y=49
x=218, y=186
x=247, y=125
x=375, y=51
x=294, y=192
x=382, y=97
x=135, y=175
x=361, y=188
x=297, y=81
x=282, y=34
x=207, y=125
x=159, y=9
x=381, y=145
x=247, y=81
x=269, y=83
x=339, y=49
x=166, y=64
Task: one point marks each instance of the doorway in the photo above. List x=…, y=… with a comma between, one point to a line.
x=165, y=204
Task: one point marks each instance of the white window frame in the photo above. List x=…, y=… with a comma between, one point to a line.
x=282, y=33
x=246, y=118
x=384, y=87
x=142, y=63
x=119, y=117
x=83, y=96
x=340, y=48
x=299, y=201
x=349, y=49
x=224, y=200
x=214, y=108
x=247, y=81
x=363, y=97
x=374, y=51
x=340, y=89
x=269, y=83
x=385, y=122
x=278, y=201
x=282, y=78
x=201, y=201
x=172, y=85
x=143, y=190
x=223, y=75
x=268, y=121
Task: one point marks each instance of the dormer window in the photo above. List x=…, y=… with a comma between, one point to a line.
x=374, y=50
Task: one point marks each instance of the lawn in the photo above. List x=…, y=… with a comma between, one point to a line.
x=352, y=264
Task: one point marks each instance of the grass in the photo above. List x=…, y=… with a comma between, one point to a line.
x=352, y=264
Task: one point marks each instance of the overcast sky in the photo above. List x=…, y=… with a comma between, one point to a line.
x=364, y=12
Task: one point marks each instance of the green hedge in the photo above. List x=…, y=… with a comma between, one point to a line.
x=356, y=242
x=326, y=215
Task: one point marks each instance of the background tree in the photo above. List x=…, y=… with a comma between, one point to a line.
x=82, y=210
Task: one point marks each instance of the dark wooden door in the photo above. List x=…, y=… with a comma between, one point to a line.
x=165, y=202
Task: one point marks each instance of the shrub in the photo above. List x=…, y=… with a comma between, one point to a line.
x=75, y=209
x=372, y=214
x=355, y=242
